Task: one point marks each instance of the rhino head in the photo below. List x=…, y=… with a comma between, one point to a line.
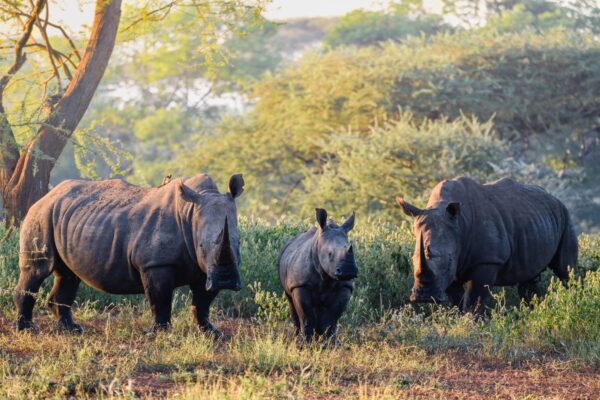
x=437, y=248
x=335, y=254
x=215, y=234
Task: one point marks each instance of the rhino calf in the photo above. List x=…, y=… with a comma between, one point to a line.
x=125, y=239
x=472, y=237
x=316, y=269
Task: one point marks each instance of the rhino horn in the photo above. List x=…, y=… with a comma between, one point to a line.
x=349, y=250
x=225, y=255
x=425, y=274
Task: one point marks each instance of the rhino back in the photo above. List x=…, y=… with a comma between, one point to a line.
x=507, y=223
x=295, y=263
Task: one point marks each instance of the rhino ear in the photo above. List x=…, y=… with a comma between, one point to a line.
x=321, y=217
x=408, y=208
x=186, y=193
x=349, y=223
x=236, y=185
x=453, y=209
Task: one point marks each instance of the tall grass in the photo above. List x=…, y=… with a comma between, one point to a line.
x=564, y=322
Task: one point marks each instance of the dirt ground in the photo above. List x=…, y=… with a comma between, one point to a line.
x=458, y=376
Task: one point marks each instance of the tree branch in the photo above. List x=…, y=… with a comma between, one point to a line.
x=42, y=28
x=9, y=152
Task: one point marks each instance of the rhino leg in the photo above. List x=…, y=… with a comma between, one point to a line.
x=35, y=262
x=303, y=304
x=293, y=314
x=456, y=294
x=61, y=299
x=478, y=289
x=528, y=289
x=332, y=312
x=29, y=284
x=159, y=283
x=566, y=254
x=201, y=300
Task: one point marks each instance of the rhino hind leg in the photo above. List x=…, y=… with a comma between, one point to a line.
x=201, y=300
x=25, y=296
x=35, y=262
x=565, y=257
x=293, y=314
x=61, y=298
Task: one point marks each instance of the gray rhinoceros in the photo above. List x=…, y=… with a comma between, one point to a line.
x=316, y=269
x=124, y=239
x=498, y=234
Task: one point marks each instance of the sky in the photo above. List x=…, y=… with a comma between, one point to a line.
x=76, y=13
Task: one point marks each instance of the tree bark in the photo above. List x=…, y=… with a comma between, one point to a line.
x=25, y=181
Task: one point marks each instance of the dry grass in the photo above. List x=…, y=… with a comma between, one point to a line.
x=117, y=358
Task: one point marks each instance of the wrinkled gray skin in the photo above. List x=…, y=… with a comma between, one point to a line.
x=316, y=269
x=124, y=239
x=502, y=233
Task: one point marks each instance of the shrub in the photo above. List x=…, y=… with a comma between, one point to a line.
x=564, y=321
x=539, y=90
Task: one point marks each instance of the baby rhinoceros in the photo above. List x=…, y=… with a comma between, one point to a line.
x=316, y=269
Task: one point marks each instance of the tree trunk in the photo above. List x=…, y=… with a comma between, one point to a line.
x=26, y=181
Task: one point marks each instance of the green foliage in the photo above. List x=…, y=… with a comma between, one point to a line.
x=366, y=171
x=9, y=261
x=565, y=320
x=365, y=28
x=271, y=306
x=539, y=90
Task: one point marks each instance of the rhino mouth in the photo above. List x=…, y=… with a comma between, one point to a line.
x=345, y=275
x=428, y=295
x=221, y=280
x=213, y=286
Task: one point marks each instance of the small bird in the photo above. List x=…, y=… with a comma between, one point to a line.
x=166, y=180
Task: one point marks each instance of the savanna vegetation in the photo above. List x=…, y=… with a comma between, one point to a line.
x=343, y=113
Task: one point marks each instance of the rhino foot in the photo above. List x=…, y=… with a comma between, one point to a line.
x=209, y=328
x=333, y=343
x=68, y=326
x=22, y=325
x=160, y=327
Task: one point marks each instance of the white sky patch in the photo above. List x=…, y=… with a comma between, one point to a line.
x=77, y=15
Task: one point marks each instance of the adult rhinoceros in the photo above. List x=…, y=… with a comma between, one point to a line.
x=125, y=239
x=502, y=233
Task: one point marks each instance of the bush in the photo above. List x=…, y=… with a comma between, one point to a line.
x=539, y=90
x=564, y=321
x=367, y=171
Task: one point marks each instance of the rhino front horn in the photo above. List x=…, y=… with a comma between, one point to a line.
x=225, y=256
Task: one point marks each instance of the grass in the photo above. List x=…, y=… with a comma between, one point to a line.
x=391, y=350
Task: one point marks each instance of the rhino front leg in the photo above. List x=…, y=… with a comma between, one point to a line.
x=529, y=289
x=159, y=283
x=305, y=309
x=332, y=313
x=478, y=289
x=201, y=300
x=61, y=299
x=456, y=293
